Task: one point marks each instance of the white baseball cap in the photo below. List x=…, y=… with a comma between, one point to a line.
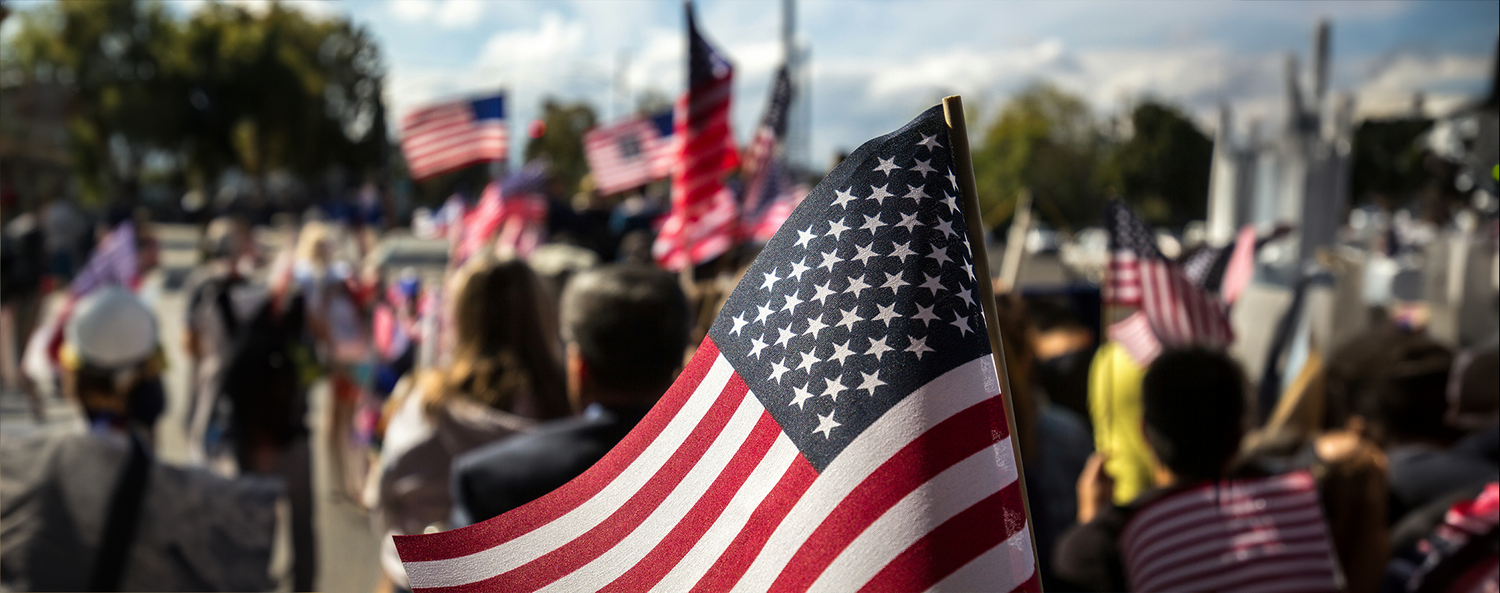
x=112, y=329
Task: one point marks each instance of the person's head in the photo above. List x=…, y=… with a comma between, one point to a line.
x=1406, y=400
x=112, y=361
x=626, y=327
x=505, y=340
x=227, y=239
x=1194, y=402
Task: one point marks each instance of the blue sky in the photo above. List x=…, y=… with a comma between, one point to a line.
x=876, y=63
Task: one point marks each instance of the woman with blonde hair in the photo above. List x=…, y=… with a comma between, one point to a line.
x=506, y=374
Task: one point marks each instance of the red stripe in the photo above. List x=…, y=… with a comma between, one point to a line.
x=1261, y=563
x=477, y=138
x=583, y=549
x=1153, y=571
x=1032, y=585
x=677, y=542
x=948, y=547
x=1155, y=520
x=488, y=534
x=950, y=441
x=737, y=558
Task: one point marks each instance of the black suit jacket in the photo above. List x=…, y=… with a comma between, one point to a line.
x=513, y=471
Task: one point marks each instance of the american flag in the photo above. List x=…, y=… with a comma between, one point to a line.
x=515, y=210
x=1179, y=312
x=841, y=427
x=112, y=264
x=701, y=223
x=446, y=136
x=631, y=153
x=782, y=195
x=764, y=148
x=1262, y=534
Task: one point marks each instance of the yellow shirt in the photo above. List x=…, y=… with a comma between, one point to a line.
x=1115, y=407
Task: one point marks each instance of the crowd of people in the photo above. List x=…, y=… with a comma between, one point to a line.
x=454, y=397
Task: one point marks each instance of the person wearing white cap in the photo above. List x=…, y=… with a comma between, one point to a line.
x=95, y=511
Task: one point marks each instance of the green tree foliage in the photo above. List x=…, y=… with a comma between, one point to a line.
x=562, y=143
x=1163, y=167
x=259, y=90
x=1047, y=141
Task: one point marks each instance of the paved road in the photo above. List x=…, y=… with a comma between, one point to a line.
x=347, y=545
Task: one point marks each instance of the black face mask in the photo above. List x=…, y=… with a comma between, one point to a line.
x=147, y=400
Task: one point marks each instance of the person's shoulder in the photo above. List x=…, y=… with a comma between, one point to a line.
x=546, y=440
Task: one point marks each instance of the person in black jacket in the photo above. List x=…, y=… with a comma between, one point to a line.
x=626, y=329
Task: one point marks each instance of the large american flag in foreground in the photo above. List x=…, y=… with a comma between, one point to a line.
x=440, y=138
x=701, y=223
x=1177, y=311
x=841, y=427
x=1263, y=534
x=630, y=153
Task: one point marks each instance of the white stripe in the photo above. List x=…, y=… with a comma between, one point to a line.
x=1146, y=521
x=918, y=513
x=930, y=404
x=521, y=550
x=647, y=534
x=1012, y=560
x=1171, y=559
x=1227, y=562
x=1302, y=583
x=1236, y=575
x=735, y=517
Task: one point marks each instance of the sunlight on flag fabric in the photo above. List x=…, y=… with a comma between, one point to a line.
x=840, y=428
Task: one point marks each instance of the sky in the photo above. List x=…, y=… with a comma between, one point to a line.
x=874, y=64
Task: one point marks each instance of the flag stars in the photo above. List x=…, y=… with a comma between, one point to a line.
x=784, y=336
x=886, y=313
x=798, y=268
x=908, y=222
x=803, y=237
x=894, y=282
x=940, y=255
x=844, y=197
x=887, y=165
x=829, y=259
x=962, y=323
x=833, y=387
x=952, y=179
x=925, y=315
x=917, y=194
x=865, y=253
x=739, y=324
x=930, y=142
x=836, y=228
x=850, y=317
x=771, y=279
x=968, y=298
x=872, y=224
x=869, y=382
x=924, y=167
x=919, y=346
x=878, y=348
x=951, y=202
x=841, y=351
x=826, y=424
x=879, y=194
x=815, y=326
x=791, y=302
x=756, y=345
x=902, y=250
x=933, y=284
x=946, y=226
x=777, y=370
x=801, y=397
x=822, y=292
x=856, y=285
x=806, y=361
x=764, y=311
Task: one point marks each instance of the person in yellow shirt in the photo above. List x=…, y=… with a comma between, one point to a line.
x=1115, y=408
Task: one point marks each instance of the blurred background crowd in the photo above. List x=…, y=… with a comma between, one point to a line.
x=244, y=342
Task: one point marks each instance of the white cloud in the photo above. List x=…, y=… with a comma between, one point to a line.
x=411, y=10
x=459, y=13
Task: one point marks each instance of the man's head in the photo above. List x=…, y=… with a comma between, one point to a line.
x=1194, y=412
x=626, y=327
x=1405, y=401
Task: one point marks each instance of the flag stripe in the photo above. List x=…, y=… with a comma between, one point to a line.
x=518, y=569
x=951, y=393
x=1176, y=510
x=922, y=459
x=1185, y=540
x=736, y=557
x=670, y=420
x=1303, y=541
x=743, y=441
x=893, y=540
x=749, y=470
x=1012, y=559
x=954, y=543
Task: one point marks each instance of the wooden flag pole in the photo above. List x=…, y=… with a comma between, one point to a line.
x=953, y=112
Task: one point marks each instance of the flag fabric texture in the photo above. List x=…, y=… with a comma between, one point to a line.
x=1179, y=312
x=1263, y=534
x=631, y=153
x=701, y=224
x=447, y=136
x=112, y=264
x=840, y=428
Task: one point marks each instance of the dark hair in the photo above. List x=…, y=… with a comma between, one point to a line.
x=630, y=324
x=1194, y=409
x=1407, y=399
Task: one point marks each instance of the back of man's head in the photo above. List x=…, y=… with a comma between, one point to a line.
x=1406, y=400
x=1194, y=411
x=629, y=323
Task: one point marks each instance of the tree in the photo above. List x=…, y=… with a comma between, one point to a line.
x=1044, y=140
x=1163, y=167
x=562, y=142
x=1388, y=160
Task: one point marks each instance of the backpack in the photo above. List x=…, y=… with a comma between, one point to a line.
x=266, y=376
